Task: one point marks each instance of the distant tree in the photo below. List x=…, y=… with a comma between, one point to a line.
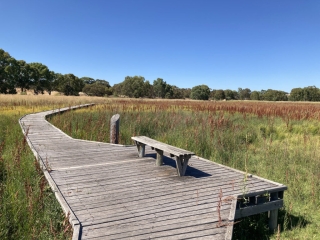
x=200, y=92
x=88, y=80
x=40, y=76
x=213, y=93
x=49, y=85
x=117, y=89
x=168, y=91
x=7, y=73
x=274, y=95
x=219, y=95
x=159, y=88
x=131, y=87
x=255, y=95
x=296, y=94
x=23, y=75
x=244, y=94
x=311, y=93
x=229, y=94
x=148, y=90
x=236, y=95
x=97, y=88
x=69, y=84
x=186, y=92
x=177, y=92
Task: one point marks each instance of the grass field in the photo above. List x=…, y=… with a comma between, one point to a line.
x=277, y=141
x=28, y=207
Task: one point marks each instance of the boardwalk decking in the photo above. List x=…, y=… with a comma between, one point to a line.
x=112, y=194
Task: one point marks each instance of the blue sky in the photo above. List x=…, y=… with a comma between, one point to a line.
x=258, y=44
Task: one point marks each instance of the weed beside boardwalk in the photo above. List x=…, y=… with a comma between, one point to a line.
x=277, y=141
x=28, y=207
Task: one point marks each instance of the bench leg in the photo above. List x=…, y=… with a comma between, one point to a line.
x=141, y=149
x=273, y=215
x=159, y=161
x=182, y=164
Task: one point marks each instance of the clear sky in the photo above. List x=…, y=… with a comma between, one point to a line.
x=256, y=44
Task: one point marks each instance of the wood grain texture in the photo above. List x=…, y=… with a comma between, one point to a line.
x=114, y=194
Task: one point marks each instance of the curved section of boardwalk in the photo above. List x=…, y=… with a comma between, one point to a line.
x=113, y=194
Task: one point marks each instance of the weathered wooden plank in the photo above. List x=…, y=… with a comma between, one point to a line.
x=164, y=200
x=126, y=187
x=163, y=146
x=182, y=186
x=167, y=192
x=191, y=227
x=255, y=209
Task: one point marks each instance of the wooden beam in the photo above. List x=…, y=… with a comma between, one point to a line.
x=256, y=209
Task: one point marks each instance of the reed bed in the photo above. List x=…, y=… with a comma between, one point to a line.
x=277, y=141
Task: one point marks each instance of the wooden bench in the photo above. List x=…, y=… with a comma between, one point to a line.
x=182, y=156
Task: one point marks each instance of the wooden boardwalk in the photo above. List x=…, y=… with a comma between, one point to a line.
x=112, y=194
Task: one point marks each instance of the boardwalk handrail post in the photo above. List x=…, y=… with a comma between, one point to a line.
x=114, y=128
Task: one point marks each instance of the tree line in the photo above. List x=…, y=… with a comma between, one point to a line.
x=38, y=77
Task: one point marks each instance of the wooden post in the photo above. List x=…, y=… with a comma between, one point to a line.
x=159, y=161
x=273, y=214
x=114, y=129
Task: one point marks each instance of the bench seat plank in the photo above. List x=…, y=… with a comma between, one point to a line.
x=162, y=146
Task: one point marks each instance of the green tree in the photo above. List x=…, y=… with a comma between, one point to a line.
x=169, y=91
x=213, y=93
x=236, y=95
x=255, y=95
x=244, y=94
x=200, y=92
x=97, y=88
x=186, y=92
x=148, y=90
x=219, y=94
x=40, y=77
x=229, y=94
x=7, y=73
x=274, y=95
x=131, y=87
x=296, y=94
x=159, y=88
x=23, y=75
x=311, y=93
x=177, y=92
x=88, y=80
x=69, y=84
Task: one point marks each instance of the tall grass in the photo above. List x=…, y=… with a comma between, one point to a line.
x=28, y=208
x=277, y=141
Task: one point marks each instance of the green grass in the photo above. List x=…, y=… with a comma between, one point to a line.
x=28, y=207
x=268, y=145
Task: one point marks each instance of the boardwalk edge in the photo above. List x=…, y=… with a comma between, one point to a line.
x=76, y=225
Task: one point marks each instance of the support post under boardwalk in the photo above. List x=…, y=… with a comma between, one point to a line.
x=114, y=129
x=273, y=214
